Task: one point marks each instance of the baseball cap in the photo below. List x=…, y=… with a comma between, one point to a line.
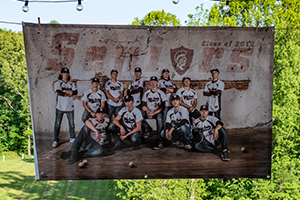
x=214, y=70
x=174, y=97
x=153, y=78
x=95, y=80
x=137, y=69
x=186, y=78
x=100, y=110
x=203, y=107
x=114, y=70
x=165, y=70
x=64, y=70
x=128, y=98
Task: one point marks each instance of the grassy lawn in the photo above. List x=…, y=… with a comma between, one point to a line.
x=17, y=181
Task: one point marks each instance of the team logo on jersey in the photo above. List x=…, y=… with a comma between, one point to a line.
x=128, y=119
x=153, y=99
x=188, y=97
x=181, y=59
x=117, y=87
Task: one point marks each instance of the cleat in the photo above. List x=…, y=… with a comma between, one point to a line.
x=72, y=139
x=54, y=144
x=225, y=155
x=188, y=147
x=159, y=146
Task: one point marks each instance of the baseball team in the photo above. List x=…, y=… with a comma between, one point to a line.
x=175, y=112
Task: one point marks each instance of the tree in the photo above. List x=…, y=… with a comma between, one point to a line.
x=285, y=181
x=54, y=22
x=157, y=18
x=14, y=97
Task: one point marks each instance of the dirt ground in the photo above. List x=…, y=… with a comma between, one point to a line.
x=168, y=162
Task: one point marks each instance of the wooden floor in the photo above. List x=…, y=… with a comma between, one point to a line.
x=168, y=162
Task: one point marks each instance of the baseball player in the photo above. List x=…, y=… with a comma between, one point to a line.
x=188, y=98
x=128, y=123
x=214, y=89
x=65, y=90
x=92, y=99
x=168, y=87
x=153, y=104
x=114, y=93
x=177, y=124
x=208, y=133
x=91, y=137
x=136, y=88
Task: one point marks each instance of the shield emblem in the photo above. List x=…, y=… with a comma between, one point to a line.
x=181, y=59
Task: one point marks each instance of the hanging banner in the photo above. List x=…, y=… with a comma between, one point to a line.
x=230, y=71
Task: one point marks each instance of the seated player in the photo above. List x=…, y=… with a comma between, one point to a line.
x=128, y=123
x=209, y=133
x=92, y=100
x=136, y=88
x=153, y=104
x=177, y=124
x=91, y=137
x=188, y=98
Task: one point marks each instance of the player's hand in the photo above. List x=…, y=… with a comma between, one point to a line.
x=122, y=131
x=151, y=114
x=191, y=109
x=122, y=137
x=168, y=135
x=98, y=137
x=216, y=135
x=93, y=114
x=116, y=100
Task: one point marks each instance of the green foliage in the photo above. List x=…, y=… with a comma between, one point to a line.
x=14, y=98
x=157, y=18
x=54, y=22
x=285, y=177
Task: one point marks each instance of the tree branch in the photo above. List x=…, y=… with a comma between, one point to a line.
x=9, y=103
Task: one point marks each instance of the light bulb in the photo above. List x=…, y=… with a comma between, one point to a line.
x=175, y=1
x=25, y=8
x=278, y=3
x=79, y=7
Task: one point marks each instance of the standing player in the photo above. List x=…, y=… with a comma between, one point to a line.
x=153, y=104
x=209, y=133
x=214, y=89
x=114, y=93
x=91, y=137
x=168, y=87
x=136, y=87
x=128, y=123
x=188, y=98
x=92, y=100
x=65, y=90
x=177, y=124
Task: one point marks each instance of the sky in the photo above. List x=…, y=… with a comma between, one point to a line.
x=115, y=12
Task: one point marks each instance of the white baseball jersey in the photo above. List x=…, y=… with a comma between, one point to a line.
x=214, y=102
x=101, y=127
x=154, y=100
x=167, y=84
x=134, y=85
x=93, y=100
x=175, y=118
x=130, y=119
x=114, y=90
x=65, y=103
x=188, y=97
x=207, y=127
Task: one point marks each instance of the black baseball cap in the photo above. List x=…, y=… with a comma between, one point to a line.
x=128, y=98
x=100, y=110
x=95, y=80
x=153, y=78
x=203, y=107
x=165, y=70
x=64, y=70
x=137, y=69
x=114, y=70
x=174, y=97
x=186, y=78
x=214, y=70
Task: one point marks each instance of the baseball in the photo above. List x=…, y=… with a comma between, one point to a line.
x=131, y=164
x=84, y=161
x=243, y=149
x=81, y=164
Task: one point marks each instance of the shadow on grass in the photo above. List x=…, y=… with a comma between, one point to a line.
x=28, y=160
x=18, y=186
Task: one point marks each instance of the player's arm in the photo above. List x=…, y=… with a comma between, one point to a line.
x=194, y=105
x=121, y=95
x=84, y=103
x=108, y=95
x=136, y=129
x=216, y=93
x=183, y=104
x=90, y=125
x=218, y=127
x=138, y=90
x=169, y=130
x=102, y=104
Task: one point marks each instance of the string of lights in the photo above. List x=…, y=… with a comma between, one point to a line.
x=25, y=8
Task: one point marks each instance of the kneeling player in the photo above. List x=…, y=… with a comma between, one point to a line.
x=209, y=133
x=91, y=137
x=177, y=124
x=128, y=123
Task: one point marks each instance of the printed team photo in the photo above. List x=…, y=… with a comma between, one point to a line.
x=119, y=102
